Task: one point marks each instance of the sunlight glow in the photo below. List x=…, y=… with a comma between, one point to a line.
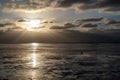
x=33, y=24
x=34, y=57
x=34, y=60
x=34, y=46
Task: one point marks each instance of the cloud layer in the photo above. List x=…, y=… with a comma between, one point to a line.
x=106, y=5
x=88, y=24
x=98, y=30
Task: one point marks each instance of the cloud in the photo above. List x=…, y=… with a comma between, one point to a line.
x=5, y=27
x=106, y=5
x=57, y=27
x=16, y=27
x=22, y=20
x=84, y=25
x=25, y=4
x=89, y=25
x=110, y=22
x=69, y=3
x=66, y=26
x=7, y=24
x=45, y=22
x=2, y=25
x=90, y=20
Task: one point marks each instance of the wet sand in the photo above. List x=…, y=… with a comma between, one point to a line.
x=58, y=64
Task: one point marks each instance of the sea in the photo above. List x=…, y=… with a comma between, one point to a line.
x=60, y=61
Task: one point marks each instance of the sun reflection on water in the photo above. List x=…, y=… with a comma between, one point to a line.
x=34, y=55
x=34, y=60
x=34, y=75
x=34, y=46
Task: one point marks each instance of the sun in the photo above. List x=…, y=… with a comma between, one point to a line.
x=34, y=44
x=33, y=24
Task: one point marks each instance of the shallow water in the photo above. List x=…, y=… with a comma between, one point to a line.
x=59, y=61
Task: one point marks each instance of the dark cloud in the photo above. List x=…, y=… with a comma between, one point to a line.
x=113, y=9
x=16, y=27
x=45, y=22
x=110, y=21
x=90, y=20
x=70, y=25
x=9, y=27
x=69, y=3
x=48, y=22
x=58, y=27
x=22, y=20
x=66, y=26
x=89, y=25
x=26, y=4
x=7, y=24
x=107, y=5
x=2, y=25
x=51, y=22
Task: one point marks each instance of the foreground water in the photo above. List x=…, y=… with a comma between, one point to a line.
x=59, y=61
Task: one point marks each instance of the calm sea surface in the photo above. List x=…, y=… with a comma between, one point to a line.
x=59, y=61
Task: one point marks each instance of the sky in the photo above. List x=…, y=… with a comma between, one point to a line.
x=26, y=21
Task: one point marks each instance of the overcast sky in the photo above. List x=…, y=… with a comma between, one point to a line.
x=69, y=20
